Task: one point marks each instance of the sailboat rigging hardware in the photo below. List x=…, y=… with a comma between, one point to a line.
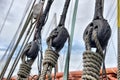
x=36, y=44
x=27, y=60
x=102, y=28
x=31, y=50
x=60, y=34
x=56, y=40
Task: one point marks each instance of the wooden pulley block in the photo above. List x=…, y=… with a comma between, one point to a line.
x=59, y=36
x=103, y=32
x=31, y=50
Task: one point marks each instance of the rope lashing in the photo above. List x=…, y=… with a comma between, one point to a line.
x=92, y=64
x=49, y=62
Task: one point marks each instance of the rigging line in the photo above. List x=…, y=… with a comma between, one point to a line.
x=70, y=14
x=3, y=24
x=63, y=59
x=51, y=24
x=39, y=61
x=112, y=35
x=40, y=57
x=66, y=70
x=110, y=19
x=29, y=33
x=11, y=44
x=20, y=51
x=112, y=3
x=114, y=48
x=20, y=36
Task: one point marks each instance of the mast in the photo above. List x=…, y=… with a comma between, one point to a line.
x=118, y=22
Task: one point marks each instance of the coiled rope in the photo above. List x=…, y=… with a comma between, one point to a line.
x=92, y=61
x=49, y=61
x=24, y=71
x=92, y=64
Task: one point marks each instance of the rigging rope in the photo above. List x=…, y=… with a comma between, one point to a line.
x=92, y=64
x=3, y=24
x=10, y=45
x=66, y=70
x=56, y=40
x=41, y=20
x=36, y=14
x=92, y=61
x=20, y=36
x=40, y=61
x=27, y=61
x=19, y=52
x=52, y=24
x=108, y=12
x=97, y=35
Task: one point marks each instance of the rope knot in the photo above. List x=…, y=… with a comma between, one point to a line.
x=92, y=63
x=24, y=70
x=51, y=57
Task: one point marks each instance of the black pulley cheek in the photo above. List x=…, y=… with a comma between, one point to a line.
x=59, y=37
x=103, y=32
x=33, y=51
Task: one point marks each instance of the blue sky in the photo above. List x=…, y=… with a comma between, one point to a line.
x=85, y=15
